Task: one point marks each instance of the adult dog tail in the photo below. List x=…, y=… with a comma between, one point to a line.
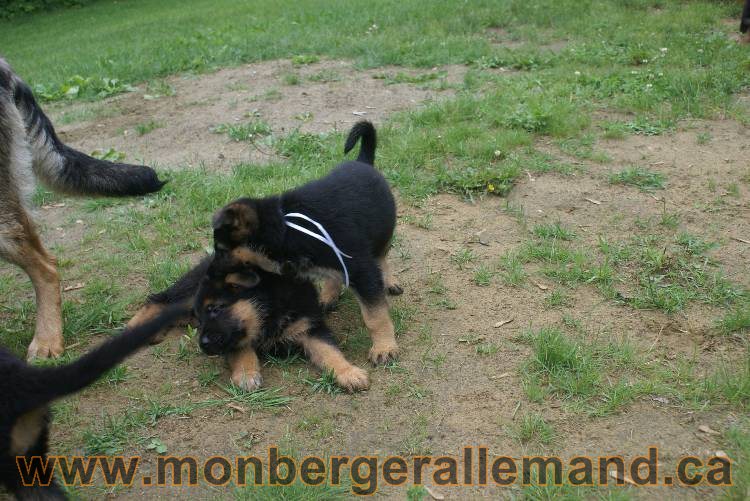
x=366, y=131
x=50, y=383
x=69, y=171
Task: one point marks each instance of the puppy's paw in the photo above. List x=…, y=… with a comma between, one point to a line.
x=248, y=381
x=395, y=290
x=382, y=354
x=45, y=348
x=353, y=379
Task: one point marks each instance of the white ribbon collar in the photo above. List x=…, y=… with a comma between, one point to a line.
x=323, y=237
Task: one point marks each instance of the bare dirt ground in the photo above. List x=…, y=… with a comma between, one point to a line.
x=330, y=95
x=466, y=399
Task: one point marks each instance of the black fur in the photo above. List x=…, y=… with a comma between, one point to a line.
x=353, y=203
x=26, y=389
x=745, y=19
x=80, y=173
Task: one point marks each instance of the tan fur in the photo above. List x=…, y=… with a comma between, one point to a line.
x=294, y=331
x=379, y=323
x=239, y=280
x=328, y=357
x=41, y=269
x=250, y=257
x=389, y=279
x=247, y=313
x=26, y=431
x=331, y=289
x=148, y=312
x=245, y=368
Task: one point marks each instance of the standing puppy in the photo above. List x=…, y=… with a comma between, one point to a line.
x=29, y=149
x=339, y=226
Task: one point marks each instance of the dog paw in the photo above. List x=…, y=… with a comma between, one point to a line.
x=381, y=355
x=353, y=379
x=395, y=290
x=45, y=349
x=247, y=381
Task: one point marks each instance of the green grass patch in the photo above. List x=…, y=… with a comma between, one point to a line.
x=640, y=177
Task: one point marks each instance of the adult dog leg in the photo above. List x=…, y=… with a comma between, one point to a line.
x=20, y=245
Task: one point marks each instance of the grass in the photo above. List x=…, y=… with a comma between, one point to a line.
x=144, y=128
x=532, y=428
x=478, y=142
x=244, y=132
x=640, y=177
x=554, y=231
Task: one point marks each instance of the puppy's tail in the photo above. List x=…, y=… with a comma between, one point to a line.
x=50, y=383
x=67, y=170
x=366, y=131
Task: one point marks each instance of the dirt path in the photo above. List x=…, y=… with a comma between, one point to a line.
x=446, y=395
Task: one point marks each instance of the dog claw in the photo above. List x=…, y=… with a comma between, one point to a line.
x=395, y=290
x=248, y=382
x=353, y=379
x=381, y=356
x=44, y=349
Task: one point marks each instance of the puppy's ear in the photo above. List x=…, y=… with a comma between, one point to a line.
x=234, y=224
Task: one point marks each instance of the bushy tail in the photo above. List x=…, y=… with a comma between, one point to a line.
x=50, y=383
x=69, y=171
x=366, y=131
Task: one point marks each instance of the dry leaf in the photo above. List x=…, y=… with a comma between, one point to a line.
x=595, y=202
x=661, y=400
x=236, y=407
x=722, y=455
x=707, y=430
x=501, y=376
x=75, y=287
x=435, y=495
x=502, y=322
x=624, y=478
x=541, y=286
x=359, y=113
x=741, y=240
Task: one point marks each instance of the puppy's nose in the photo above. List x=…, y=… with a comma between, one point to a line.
x=205, y=340
x=214, y=310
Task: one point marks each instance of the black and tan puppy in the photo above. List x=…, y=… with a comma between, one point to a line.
x=353, y=210
x=244, y=309
x=30, y=150
x=26, y=391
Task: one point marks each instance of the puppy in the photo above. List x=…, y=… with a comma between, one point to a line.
x=745, y=22
x=26, y=391
x=30, y=149
x=340, y=225
x=244, y=306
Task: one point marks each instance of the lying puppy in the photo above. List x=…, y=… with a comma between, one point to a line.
x=244, y=309
x=26, y=391
x=351, y=208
